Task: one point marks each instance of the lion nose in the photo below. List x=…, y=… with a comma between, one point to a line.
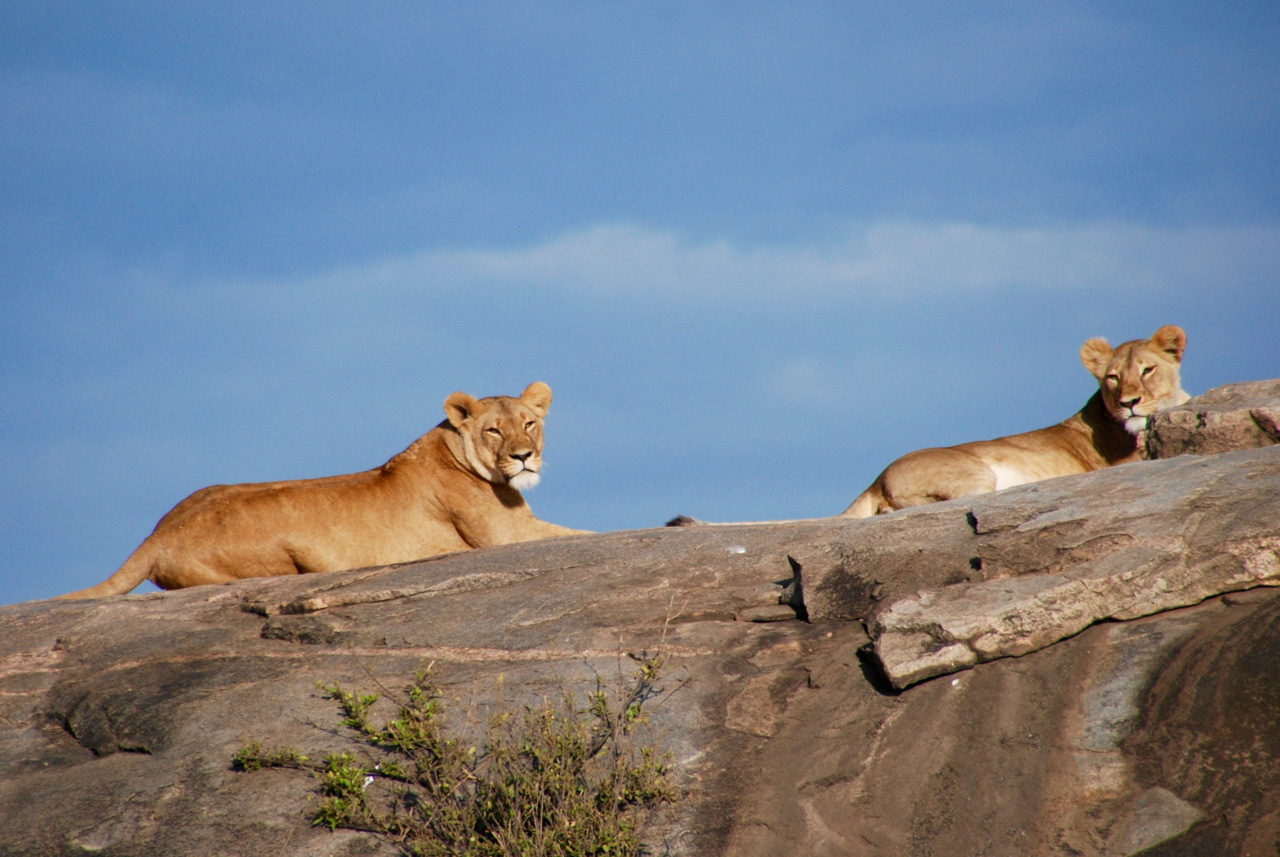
x=1131, y=402
x=521, y=457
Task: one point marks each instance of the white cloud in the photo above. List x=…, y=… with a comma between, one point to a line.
x=892, y=259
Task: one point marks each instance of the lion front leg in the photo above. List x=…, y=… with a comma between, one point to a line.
x=513, y=523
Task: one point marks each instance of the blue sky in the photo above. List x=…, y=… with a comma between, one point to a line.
x=757, y=250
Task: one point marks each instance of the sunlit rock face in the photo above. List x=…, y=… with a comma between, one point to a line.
x=1083, y=666
x=1227, y=418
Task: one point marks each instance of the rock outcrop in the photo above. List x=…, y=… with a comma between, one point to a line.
x=1005, y=574
x=1227, y=418
x=949, y=680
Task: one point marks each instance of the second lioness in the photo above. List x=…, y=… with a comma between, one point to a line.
x=1136, y=379
x=456, y=487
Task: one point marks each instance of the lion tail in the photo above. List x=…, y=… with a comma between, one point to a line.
x=136, y=569
x=869, y=503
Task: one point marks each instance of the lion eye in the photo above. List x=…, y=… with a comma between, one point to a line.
x=1147, y=371
x=529, y=425
x=492, y=430
x=1113, y=379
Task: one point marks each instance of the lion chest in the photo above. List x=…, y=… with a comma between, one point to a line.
x=1008, y=476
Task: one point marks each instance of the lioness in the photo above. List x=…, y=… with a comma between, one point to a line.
x=456, y=487
x=1136, y=379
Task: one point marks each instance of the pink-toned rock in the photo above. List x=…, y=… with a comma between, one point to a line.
x=1159, y=734
x=1227, y=418
x=1055, y=557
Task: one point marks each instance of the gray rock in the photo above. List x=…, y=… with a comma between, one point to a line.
x=1055, y=557
x=1228, y=418
x=1159, y=734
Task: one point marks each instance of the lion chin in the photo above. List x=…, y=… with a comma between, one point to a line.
x=1135, y=425
x=524, y=480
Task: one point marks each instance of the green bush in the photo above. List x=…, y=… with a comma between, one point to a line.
x=556, y=780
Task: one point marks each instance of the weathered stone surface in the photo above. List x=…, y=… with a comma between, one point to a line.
x=1056, y=753
x=1005, y=574
x=1227, y=418
x=118, y=719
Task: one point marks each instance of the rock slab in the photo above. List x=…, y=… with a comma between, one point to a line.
x=1227, y=418
x=1050, y=559
x=1158, y=735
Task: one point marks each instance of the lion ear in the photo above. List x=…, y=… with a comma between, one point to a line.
x=459, y=408
x=537, y=398
x=1171, y=340
x=1095, y=354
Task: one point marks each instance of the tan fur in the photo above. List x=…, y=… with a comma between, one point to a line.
x=1135, y=380
x=453, y=489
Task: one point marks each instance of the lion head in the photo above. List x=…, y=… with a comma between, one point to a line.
x=502, y=436
x=1140, y=377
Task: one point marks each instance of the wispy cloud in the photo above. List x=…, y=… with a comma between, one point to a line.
x=892, y=259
